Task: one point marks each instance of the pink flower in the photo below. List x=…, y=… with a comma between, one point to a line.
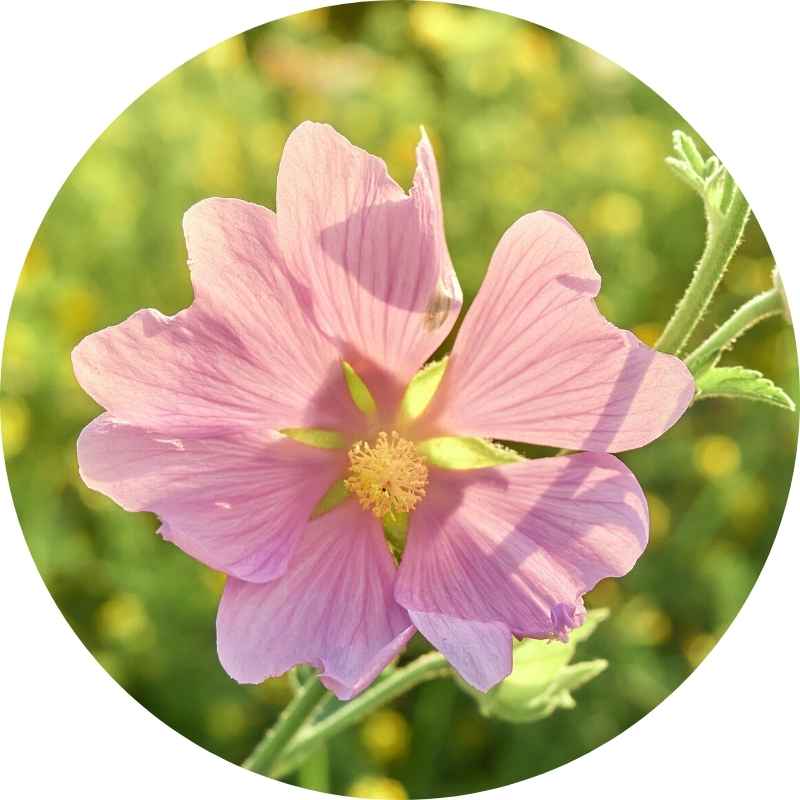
x=205, y=411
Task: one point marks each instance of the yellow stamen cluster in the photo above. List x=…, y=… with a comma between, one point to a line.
x=389, y=476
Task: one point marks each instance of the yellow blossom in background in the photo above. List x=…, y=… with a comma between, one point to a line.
x=75, y=311
x=748, y=498
x=36, y=268
x=308, y=22
x=532, y=52
x=16, y=423
x=377, y=788
x=641, y=621
x=435, y=25
x=696, y=647
x=123, y=616
x=226, y=55
x=385, y=735
x=226, y=718
x=660, y=516
x=717, y=455
x=616, y=214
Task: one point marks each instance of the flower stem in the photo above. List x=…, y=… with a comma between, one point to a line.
x=764, y=305
x=724, y=233
x=424, y=668
x=280, y=734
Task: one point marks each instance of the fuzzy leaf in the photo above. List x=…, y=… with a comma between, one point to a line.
x=685, y=173
x=542, y=679
x=744, y=383
x=685, y=146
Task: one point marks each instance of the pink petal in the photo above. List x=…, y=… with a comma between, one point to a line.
x=374, y=259
x=332, y=609
x=536, y=362
x=511, y=549
x=245, y=352
x=480, y=651
x=237, y=502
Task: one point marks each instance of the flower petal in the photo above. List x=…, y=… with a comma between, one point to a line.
x=237, y=502
x=536, y=362
x=512, y=548
x=480, y=651
x=244, y=353
x=333, y=609
x=374, y=259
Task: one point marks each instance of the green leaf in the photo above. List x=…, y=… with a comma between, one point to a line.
x=465, y=452
x=316, y=437
x=421, y=389
x=333, y=497
x=744, y=383
x=361, y=395
x=542, y=679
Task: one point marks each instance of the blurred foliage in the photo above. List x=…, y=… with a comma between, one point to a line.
x=520, y=119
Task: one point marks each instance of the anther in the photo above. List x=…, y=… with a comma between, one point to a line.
x=387, y=477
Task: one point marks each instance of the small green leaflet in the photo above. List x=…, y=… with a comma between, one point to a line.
x=744, y=383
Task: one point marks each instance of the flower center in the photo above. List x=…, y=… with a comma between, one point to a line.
x=387, y=477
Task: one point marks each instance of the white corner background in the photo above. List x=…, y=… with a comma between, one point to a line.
x=68, y=69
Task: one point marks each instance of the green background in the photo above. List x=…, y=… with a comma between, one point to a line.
x=520, y=119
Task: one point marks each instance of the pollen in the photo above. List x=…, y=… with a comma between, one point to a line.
x=388, y=476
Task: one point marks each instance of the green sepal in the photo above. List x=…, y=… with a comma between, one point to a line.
x=361, y=395
x=465, y=452
x=542, y=679
x=336, y=495
x=395, y=530
x=316, y=437
x=421, y=389
x=747, y=384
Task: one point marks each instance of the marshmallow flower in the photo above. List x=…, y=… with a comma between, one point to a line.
x=270, y=426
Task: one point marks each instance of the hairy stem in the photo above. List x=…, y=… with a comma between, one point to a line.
x=266, y=753
x=724, y=233
x=764, y=305
x=425, y=668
